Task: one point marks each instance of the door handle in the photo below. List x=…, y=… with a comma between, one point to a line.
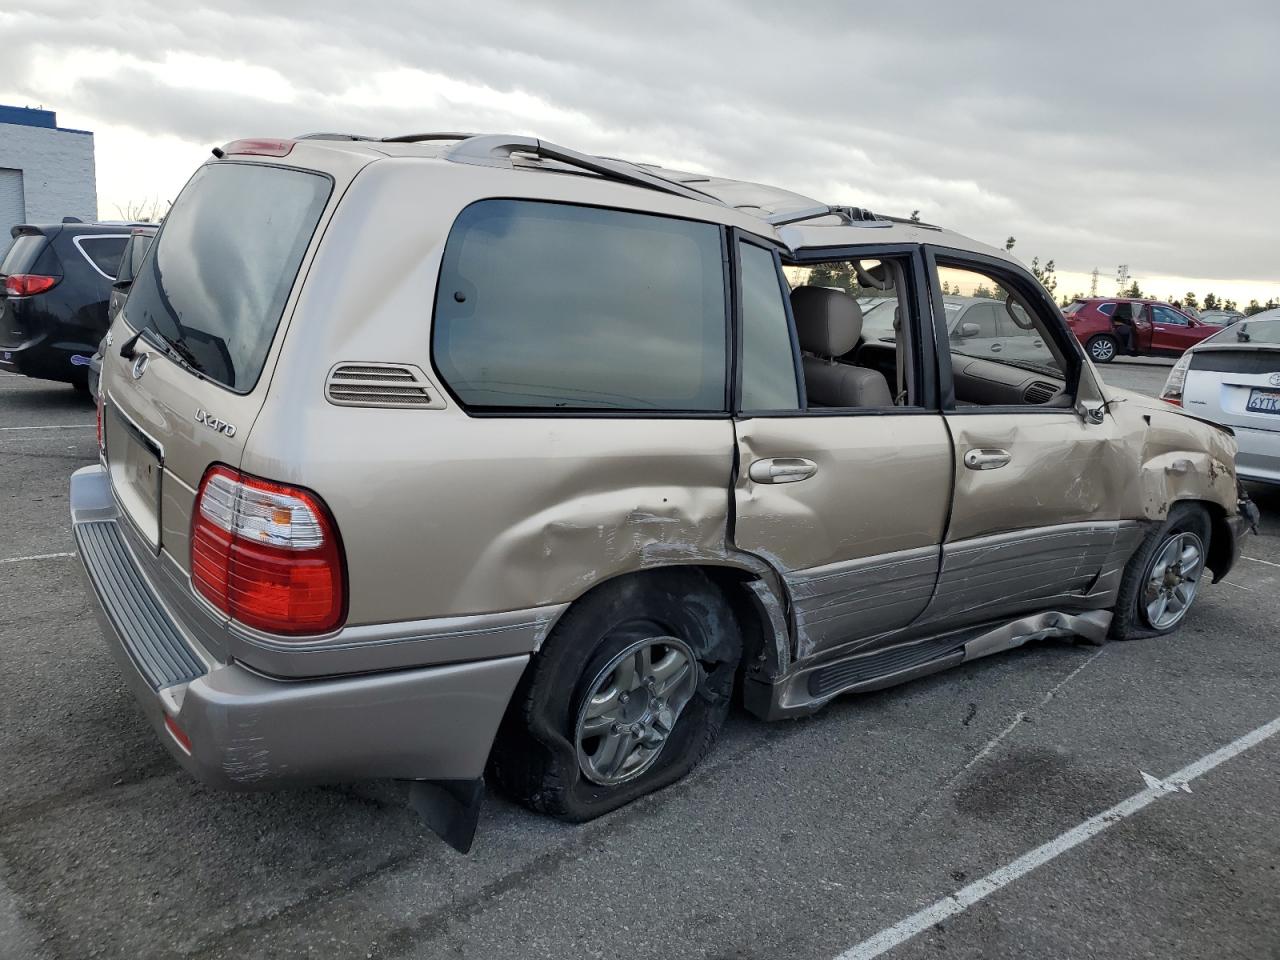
x=996, y=347
x=987, y=459
x=782, y=470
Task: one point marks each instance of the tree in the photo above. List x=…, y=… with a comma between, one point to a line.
x=1210, y=302
x=983, y=291
x=143, y=211
x=1132, y=290
x=915, y=216
x=1190, y=300
x=1253, y=307
x=1008, y=244
x=1048, y=279
x=1228, y=304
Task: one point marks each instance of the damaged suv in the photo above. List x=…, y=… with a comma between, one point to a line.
x=443, y=455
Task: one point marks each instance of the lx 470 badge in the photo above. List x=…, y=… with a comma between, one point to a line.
x=213, y=423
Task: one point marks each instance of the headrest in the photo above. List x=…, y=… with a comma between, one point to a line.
x=828, y=322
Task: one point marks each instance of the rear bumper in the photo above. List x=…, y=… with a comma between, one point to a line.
x=248, y=731
x=1259, y=454
x=66, y=362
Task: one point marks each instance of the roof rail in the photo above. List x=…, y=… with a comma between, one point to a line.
x=333, y=136
x=496, y=150
x=847, y=214
x=419, y=137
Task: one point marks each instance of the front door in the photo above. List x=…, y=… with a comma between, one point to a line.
x=844, y=479
x=1171, y=331
x=1033, y=521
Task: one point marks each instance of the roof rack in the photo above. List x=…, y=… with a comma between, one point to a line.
x=420, y=137
x=496, y=150
x=847, y=214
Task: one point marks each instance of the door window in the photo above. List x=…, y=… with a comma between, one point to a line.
x=103, y=252
x=557, y=307
x=1169, y=316
x=768, y=362
x=1004, y=346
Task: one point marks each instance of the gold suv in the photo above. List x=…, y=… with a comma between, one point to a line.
x=432, y=456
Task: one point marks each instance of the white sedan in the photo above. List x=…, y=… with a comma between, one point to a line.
x=1233, y=378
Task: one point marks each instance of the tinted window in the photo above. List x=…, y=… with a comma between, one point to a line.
x=555, y=306
x=23, y=253
x=103, y=252
x=984, y=316
x=1073, y=307
x=768, y=363
x=1107, y=309
x=225, y=262
x=131, y=259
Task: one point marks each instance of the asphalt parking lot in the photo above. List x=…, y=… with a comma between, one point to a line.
x=819, y=838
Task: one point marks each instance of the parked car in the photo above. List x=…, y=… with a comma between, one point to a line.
x=1221, y=318
x=976, y=327
x=1233, y=378
x=446, y=454
x=57, y=281
x=1160, y=330
x=130, y=260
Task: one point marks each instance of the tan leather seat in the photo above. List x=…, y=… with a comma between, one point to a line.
x=829, y=323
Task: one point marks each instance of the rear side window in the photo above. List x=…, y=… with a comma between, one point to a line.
x=768, y=362
x=23, y=254
x=1107, y=309
x=103, y=252
x=551, y=306
x=224, y=264
x=131, y=260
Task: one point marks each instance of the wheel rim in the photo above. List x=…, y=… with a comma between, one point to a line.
x=1173, y=580
x=1103, y=349
x=632, y=706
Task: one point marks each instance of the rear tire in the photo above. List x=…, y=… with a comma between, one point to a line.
x=571, y=745
x=1161, y=580
x=1102, y=348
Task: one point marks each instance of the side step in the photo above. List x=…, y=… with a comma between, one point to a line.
x=809, y=689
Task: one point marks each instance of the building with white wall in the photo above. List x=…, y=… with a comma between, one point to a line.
x=46, y=171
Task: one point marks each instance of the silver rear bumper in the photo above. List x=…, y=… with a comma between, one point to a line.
x=1259, y=454
x=248, y=731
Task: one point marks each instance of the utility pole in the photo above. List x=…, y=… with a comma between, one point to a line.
x=1093, y=283
x=1122, y=275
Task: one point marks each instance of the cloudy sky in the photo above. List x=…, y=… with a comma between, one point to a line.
x=1097, y=134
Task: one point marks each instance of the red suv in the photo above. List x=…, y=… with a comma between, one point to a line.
x=1157, y=329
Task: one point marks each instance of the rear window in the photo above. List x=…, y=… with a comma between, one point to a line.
x=1073, y=307
x=224, y=264
x=544, y=305
x=1248, y=331
x=103, y=252
x=23, y=253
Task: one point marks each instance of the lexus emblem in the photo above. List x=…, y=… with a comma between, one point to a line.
x=1275, y=379
x=139, y=366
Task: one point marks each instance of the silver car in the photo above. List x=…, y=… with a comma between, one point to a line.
x=1233, y=379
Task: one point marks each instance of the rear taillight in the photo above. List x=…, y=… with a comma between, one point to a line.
x=1176, y=381
x=267, y=554
x=28, y=284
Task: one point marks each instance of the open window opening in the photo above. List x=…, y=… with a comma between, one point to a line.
x=852, y=320
x=1005, y=346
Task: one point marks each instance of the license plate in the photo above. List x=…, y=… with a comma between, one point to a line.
x=1263, y=401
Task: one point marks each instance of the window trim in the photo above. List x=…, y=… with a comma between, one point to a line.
x=79, y=239
x=922, y=354
x=1107, y=313
x=1033, y=293
x=593, y=413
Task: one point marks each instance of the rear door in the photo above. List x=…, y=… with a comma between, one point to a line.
x=189, y=360
x=847, y=503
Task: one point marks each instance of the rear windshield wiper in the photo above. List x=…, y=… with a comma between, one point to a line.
x=175, y=349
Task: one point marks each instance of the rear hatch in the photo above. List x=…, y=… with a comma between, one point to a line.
x=193, y=349
x=1238, y=386
x=30, y=254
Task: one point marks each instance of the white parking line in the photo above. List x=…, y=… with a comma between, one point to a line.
x=56, y=426
x=966, y=897
x=1256, y=560
x=37, y=556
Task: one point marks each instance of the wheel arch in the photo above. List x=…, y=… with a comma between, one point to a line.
x=1221, y=552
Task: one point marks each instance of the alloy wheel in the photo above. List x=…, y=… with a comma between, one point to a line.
x=1173, y=580
x=1102, y=349
x=632, y=706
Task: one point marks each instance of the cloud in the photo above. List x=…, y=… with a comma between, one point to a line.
x=1093, y=134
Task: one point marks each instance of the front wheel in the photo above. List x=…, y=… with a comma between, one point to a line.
x=1163, y=577
x=626, y=696
x=1102, y=348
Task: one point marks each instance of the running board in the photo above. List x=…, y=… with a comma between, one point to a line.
x=863, y=673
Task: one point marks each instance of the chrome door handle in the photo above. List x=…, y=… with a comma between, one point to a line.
x=996, y=347
x=987, y=459
x=782, y=470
